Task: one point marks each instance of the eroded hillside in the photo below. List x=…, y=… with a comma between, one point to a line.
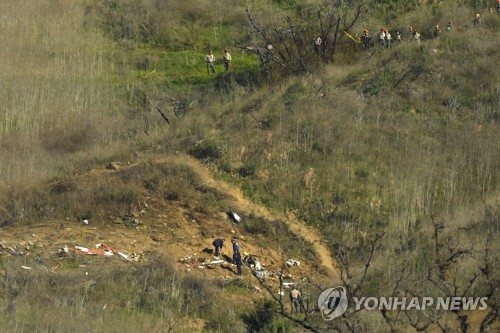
x=164, y=222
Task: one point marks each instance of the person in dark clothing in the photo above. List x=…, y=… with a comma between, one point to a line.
x=237, y=259
x=366, y=39
x=236, y=249
x=477, y=20
x=218, y=244
x=437, y=31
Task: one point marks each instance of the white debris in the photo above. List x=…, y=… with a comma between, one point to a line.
x=235, y=217
x=292, y=262
x=258, y=266
x=216, y=261
x=124, y=256
x=260, y=274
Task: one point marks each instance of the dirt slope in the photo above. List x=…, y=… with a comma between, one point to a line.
x=167, y=227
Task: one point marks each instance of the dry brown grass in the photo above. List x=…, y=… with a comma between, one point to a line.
x=54, y=98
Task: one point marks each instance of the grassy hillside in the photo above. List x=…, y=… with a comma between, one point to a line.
x=391, y=153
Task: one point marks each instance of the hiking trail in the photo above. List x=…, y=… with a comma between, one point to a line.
x=245, y=205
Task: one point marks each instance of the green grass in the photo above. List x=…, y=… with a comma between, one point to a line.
x=184, y=68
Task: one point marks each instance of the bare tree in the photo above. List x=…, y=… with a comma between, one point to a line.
x=292, y=49
x=448, y=278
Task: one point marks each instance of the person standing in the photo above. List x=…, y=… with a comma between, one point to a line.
x=236, y=249
x=381, y=38
x=398, y=37
x=437, y=31
x=218, y=244
x=237, y=259
x=366, y=39
x=296, y=300
x=415, y=35
x=477, y=20
x=388, y=38
x=317, y=43
x=210, y=60
x=227, y=60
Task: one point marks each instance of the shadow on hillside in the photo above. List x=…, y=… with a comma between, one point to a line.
x=208, y=251
x=229, y=268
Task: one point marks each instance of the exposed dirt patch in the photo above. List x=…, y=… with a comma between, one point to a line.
x=167, y=227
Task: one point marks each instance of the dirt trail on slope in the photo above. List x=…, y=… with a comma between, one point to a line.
x=245, y=205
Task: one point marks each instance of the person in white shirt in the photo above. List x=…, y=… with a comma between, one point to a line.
x=210, y=60
x=297, y=301
x=388, y=38
x=317, y=43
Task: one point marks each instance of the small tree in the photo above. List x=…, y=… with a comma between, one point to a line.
x=265, y=319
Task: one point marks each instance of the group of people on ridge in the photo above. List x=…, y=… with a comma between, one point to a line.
x=384, y=38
